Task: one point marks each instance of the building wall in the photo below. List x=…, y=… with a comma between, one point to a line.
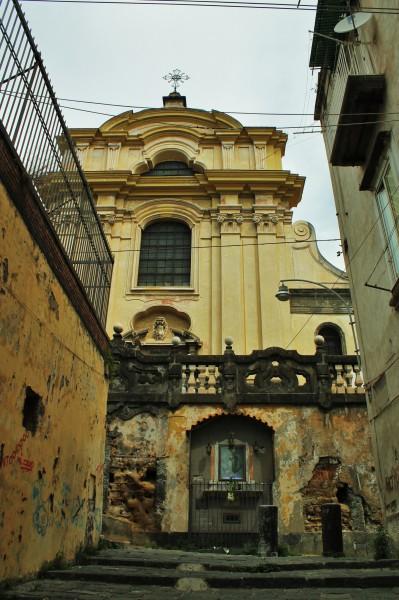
x=368, y=260
x=315, y=455
x=53, y=394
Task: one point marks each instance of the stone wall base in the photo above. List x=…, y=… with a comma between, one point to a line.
x=358, y=544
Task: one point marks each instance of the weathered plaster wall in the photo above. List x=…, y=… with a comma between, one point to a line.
x=53, y=399
x=368, y=260
x=318, y=457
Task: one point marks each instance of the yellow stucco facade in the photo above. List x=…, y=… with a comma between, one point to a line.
x=237, y=202
x=53, y=403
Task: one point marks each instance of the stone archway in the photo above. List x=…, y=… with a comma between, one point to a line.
x=231, y=474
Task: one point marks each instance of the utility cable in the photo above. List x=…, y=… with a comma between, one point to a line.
x=228, y=4
x=229, y=112
x=277, y=127
x=186, y=247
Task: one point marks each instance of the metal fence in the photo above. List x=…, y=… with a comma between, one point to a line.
x=227, y=506
x=31, y=119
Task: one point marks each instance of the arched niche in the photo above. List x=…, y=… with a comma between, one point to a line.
x=211, y=439
x=155, y=327
x=333, y=337
x=231, y=473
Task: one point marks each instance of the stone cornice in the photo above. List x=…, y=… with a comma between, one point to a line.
x=204, y=134
x=281, y=184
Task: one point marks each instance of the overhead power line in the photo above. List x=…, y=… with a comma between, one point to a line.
x=215, y=247
x=228, y=112
x=223, y=4
x=311, y=128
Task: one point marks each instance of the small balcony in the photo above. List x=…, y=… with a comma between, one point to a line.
x=354, y=97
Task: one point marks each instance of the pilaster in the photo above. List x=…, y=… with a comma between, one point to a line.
x=232, y=294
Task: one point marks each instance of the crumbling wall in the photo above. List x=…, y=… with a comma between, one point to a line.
x=53, y=399
x=333, y=482
x=319, y=457
x=135, y=472
x=302, y=437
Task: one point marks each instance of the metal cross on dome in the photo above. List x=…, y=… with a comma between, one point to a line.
x=176, y=78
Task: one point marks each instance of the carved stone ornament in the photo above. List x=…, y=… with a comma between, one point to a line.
x=160, y=329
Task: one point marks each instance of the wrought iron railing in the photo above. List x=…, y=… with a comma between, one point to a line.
x=227, y=506
x=32, y=121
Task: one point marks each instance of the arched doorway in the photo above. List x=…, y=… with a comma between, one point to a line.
x=231, y=474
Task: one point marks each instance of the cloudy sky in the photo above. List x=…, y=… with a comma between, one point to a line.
x=249, y=60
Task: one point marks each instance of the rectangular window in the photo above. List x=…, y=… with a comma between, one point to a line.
x=388, y=204
x=165, y=255
x=232, y=461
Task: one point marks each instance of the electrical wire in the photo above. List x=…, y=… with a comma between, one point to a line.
x=277, y=127
x=164, y=247
x=229, y=112
x=226, y=4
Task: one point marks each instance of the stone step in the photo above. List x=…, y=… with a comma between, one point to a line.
x=247, y=564
x=144, y=576
x=90, y=590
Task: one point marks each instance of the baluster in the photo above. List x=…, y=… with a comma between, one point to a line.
x=197, y=381
x=358, y=378
x=191, y=379
x=339, y=381
x=211, y=380
x=206, y=385
x=185, y=384
x=201, y=380
x=218, y=384
x=348, y=375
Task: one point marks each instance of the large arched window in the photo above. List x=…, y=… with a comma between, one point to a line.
x=333, y=338
x=165, y=255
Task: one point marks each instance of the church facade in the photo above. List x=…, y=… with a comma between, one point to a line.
x=211, y=412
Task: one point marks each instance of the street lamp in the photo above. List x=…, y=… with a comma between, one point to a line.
x=283, y=294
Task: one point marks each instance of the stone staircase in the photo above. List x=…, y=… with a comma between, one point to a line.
x=143, y=573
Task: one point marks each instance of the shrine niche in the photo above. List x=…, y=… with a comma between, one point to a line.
x=155, y=328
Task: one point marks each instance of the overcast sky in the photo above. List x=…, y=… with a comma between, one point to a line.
x=247, y=60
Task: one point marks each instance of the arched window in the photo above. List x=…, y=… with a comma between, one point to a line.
x=333, y=338
x=165, y=255
x=171, y=168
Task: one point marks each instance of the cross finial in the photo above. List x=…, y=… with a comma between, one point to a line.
x=176, y=78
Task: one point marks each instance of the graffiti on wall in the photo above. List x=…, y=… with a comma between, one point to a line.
x=16, y=456
x=60, y=512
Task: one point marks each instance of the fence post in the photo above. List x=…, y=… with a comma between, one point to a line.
x=332, y=529
x=268, y=531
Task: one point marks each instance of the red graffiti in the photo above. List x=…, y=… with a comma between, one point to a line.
x=16, y=454
x=26, y=465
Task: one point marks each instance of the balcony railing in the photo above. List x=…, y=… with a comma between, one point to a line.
x=32, y=124
x=352, y=60
x=271, y=376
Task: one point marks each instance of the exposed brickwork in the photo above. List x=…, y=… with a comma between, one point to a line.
x=332, y=482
